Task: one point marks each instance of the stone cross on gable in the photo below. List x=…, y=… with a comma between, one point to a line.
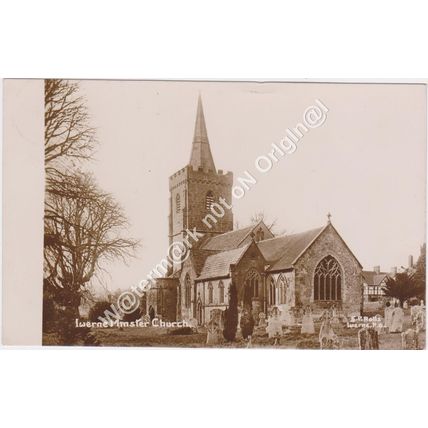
x=329, y=218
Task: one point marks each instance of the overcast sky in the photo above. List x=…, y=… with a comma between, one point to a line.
x=365, y=164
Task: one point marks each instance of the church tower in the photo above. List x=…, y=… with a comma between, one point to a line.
x=194, y=188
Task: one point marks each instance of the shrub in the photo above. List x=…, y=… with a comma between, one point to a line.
x=231, y=315
x=247, y=323
x=181, y=331
x=98, y=310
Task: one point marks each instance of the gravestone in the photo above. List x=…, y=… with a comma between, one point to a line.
x=368, y=338
x=410, y=339
x=262, y=320
x=193, y=324
x=307, y=322
x=327, y=338
x=215, y=327
x=274, y=328
x=146, y=319
x=397, y=320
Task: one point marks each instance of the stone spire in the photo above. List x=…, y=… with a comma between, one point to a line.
x=201, y=156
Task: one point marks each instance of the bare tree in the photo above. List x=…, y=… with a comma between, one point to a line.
x=271, y=225
x=68, y=135
x=83, y=225
x=83, y=228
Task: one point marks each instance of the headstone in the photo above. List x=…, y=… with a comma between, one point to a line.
x=193, y=323
x=368, y=338
x=327, y=337
x=397, y=320
x=274, y=328
x=262, y=320
x=215, y=327
x=405, y=305
x=260, y=329
x=146, y=319
x=420, y=320
x=308, y=322
x=410, y=339
x=413, y=312
x=388, y=316
x=287, y=315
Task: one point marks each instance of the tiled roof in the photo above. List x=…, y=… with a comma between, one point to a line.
x=218, y=265
x=373, y=278
x=199, y=257
x=229, y=240
x=280, y=252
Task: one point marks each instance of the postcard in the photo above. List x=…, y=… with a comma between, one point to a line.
x=278, y=215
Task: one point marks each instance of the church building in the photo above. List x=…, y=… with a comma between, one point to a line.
x=314, y=267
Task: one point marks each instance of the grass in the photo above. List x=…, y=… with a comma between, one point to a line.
x=292, y=339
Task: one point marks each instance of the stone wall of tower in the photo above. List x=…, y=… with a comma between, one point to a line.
x=192, y=187
x=178, y=218
x=220, y=184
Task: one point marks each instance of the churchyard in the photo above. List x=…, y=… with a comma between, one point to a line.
x=291, y=338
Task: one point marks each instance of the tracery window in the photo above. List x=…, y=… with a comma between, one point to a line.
x=328, y=280
x=252, y=282
x=282, y=286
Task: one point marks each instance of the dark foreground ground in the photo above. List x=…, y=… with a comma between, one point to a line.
x=292, y=339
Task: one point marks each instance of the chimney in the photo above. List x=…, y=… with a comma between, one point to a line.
x=410, y=261
x=393, y=271
x=376, y=269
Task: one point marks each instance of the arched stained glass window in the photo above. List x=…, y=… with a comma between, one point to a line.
x=328, y=280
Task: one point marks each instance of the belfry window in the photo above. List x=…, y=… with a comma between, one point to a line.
x=328, y=280
x=177, y=203
x=209, y=200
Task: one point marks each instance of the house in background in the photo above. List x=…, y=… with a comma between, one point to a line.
x=374, y=283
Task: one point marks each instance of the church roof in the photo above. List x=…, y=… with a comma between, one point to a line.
x=199, y=257
x=373, y=278
x=201, y=156
x=218, y=265
x=229, y=240
x=282, y=251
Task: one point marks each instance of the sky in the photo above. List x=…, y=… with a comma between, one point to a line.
x=366, y=164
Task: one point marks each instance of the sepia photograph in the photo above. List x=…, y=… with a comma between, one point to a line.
x=209, y=210
x=234, y=214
